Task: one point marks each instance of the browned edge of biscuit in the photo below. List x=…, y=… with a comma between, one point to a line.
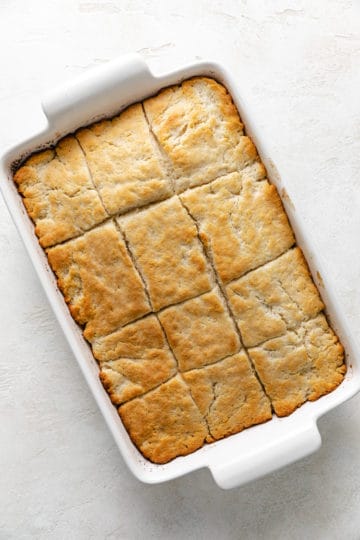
x=156, y=144
x=90, y=174
x=134, y=261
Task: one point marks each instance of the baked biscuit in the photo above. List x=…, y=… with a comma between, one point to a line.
x=169, y=255
x=99, y=282
x=302, y=365
x=229, y=396
x=200, y=331
x=173, y=253
x=134, y=359
x=125, y=164
x=198, y=127
x=165, y=423
x=241, y=222
x=58, y=193
x=274, y=298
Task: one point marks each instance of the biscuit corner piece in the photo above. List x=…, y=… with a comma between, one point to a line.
x=241, y=222
x=58, y=193
x=200, y=331
x=168, y=253
x=229, y=396
x=165, y=423
x=98, y=280
x=134, y=359
x=199, y=129
x=302, y=365
x=125, y=163
x=269, y=301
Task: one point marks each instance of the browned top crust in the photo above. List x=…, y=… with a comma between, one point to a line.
x=125, y=164
x=174, y=254
x=134, y=359
x=59, y=195
x=241, y=222
x=199, y=129
x=302, y=365
x=99, y=282
x=165, y=423
x=200, y=331
x=169, y=255
x=229, y=396
x=274, y=298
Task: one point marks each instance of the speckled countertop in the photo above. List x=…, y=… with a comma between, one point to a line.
x=297, y=64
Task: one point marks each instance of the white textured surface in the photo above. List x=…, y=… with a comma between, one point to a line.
x=297, y=64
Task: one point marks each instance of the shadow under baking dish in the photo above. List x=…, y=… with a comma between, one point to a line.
x=258, y=450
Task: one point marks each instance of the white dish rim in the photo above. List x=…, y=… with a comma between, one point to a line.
x=102, y=92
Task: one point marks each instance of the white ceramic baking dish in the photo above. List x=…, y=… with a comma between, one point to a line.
x=102, y=92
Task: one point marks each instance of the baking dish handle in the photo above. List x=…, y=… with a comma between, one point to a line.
x=279, y=453
x=85, y=97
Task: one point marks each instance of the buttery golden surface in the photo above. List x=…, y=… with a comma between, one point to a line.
x=58, y=193
x=200, y=331
x=229, y=396
x=199, y=129
x=241, y=222
x=166, y=422
x=176, y=257
x=125, y=165
x=99, y=282
x=302, y=365
x=169, y=255
x=134, y=359
x=274, y=298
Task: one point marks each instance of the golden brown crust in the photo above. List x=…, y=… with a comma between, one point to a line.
x=302, y=365
x=134, y=359
x=169, y=255
x=241, y=222
x=274, y=298
x=125, y=165
x=178, y=254
x=165, y=423
x=58, y=193
x=229, y=396
x=99, y=282
x=200, y=331
x=199, y=128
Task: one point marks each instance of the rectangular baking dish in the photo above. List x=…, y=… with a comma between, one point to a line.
x=103, y=92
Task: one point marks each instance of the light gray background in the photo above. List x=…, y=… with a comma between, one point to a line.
x=297, y=64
